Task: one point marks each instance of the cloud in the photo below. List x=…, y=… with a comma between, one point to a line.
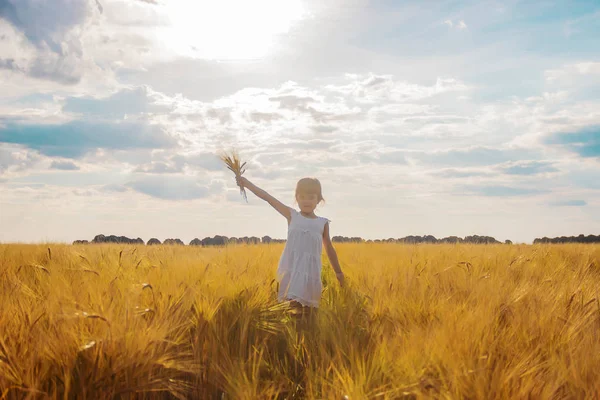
x=294, y=102
x=493, y=171
x=436, y=119
x=383, y=157
x=405, y=130
x=570, y=72
x=65, y=69
x=45, y=22
x=10, y=64
x=113, y=188
x=471, y=156
x=460, y=25
x=581, y=80
x=293, y=116
x=53, y=28
x=568, y=203
x=373, y=89
x=499, y=191
x=158, y=168
x=259, y=117
x=16, y=158
x=310, y=144
x=324, y=128
x=460, y=173
x=64, y=165
x=525, y=167
x=174, y=187
x=75, y=139
x=136, y=100
x=584, y=142
x=205, y=160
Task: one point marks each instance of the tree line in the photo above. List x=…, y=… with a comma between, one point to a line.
x=219, y=240
x=569, y=239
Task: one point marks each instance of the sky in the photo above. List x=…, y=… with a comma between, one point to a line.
x=418, y=117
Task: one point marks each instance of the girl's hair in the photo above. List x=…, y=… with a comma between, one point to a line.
x=310, y=186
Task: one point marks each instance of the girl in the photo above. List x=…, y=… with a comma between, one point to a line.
x=299, y=270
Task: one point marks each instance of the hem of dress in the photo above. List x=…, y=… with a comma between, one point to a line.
x=306, y=303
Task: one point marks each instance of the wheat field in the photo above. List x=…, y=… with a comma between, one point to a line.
x=414, y=322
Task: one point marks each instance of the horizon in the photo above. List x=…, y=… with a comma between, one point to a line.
x=467, y=118
x=188, y=242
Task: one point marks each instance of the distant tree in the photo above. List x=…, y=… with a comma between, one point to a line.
x=451, y=239
x=177, y=242
x=476, y=239
x=215, y=241
x=569, y=239
x=116, y=239
x=344, y=239
x=220, y=240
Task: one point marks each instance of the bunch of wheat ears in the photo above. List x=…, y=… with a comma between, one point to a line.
x=234, y=163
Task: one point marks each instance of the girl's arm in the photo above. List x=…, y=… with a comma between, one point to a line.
x=333, y=259
x=260, y=193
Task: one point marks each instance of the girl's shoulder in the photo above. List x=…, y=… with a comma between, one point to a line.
x=324, y=219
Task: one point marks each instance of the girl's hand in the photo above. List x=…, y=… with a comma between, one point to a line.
x=241, y=181
x=341, y=278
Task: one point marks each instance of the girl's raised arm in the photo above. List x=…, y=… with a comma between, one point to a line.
x=260, y=193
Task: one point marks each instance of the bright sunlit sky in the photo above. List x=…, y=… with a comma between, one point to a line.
x=419, y=117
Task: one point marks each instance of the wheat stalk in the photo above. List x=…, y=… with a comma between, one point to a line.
x=235, y=165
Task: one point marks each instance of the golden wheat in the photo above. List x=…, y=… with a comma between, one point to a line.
x=415, y=322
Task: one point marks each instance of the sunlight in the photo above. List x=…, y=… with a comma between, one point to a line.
x=228, y=29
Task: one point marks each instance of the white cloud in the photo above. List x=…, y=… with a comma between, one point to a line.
x=176, y=187
x=14, y=158
x=385, y=88
x=460, y=25
x=64, y=165
x=53, y=28
x=406, y=125
x=588, y=72
x=158, y=168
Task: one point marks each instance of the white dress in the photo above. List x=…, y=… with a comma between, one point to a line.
x=299, y=270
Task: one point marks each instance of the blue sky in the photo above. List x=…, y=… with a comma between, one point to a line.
x=443, y=118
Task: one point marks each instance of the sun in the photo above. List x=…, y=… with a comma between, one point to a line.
x=228, y=29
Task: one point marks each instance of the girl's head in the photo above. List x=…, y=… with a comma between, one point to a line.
x=308, y=194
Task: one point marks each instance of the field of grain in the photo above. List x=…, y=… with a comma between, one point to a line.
x=415, y=321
